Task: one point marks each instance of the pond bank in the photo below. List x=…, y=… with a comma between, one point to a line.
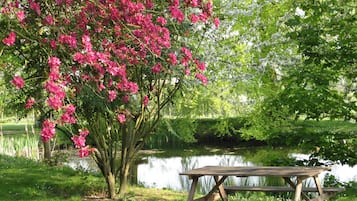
x=160, y=169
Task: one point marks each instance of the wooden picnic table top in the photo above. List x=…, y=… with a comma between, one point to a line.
x=244, y=171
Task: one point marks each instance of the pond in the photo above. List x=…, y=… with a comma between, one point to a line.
x=161, y=169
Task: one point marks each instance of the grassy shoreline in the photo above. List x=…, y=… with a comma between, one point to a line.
x=24, y=179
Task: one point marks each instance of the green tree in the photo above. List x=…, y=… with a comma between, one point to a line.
x=301, y=62
x=324, y=85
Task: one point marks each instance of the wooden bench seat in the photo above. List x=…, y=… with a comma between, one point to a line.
x=232, y=189
x=328, y=192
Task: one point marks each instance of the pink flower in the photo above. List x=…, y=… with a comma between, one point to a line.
x=112, y=95
x=209, y=7
x=194, y=3
x=18, y=82
x=176, y=13
x=54, y=102
x=113, y=68
x=69, y=40
x=133, y=87
x=53, y=44
x=35, y=7
x=54, y=74
x=125, y=99
x=86, y=42
x=200, y=65
x=216, y=22
x=203, y=17
x=48, y=130
x=187, y=57
x=54, y=62
x=30, y=102
x=5, y=10
x=172, y=58
x=52, y=87
x=84, y=132
x=146, y=101
x=121, y=118
x=70, y=109
x=149, y=4
x=79, y=141
x=187, y=71
x=67, y=119
x=20, y=15
x=202, y=78
x=101, y=86
x=187, y=52
x=194, y=18
x=79, y=57
x=49, y=20
x=161, y=20
x=10, y=40
x=84, y=152
x=156, y=68
x=175, y=2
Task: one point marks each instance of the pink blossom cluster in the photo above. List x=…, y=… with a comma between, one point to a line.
x=10, y=39
x=107, y=42
x=30, y=102
x=54, y=85
x=204, y=16
x=121, y=118
x=80, y=143
x=67, y=117
x=18, y=82
x=48, y=130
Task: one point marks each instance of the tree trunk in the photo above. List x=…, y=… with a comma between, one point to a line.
x=124, y=178
x=110, y=179
x=46, y=150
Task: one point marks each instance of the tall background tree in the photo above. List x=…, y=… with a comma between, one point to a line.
x=324, y=85
x=286, y=59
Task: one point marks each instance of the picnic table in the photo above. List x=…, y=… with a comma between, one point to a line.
x=293, y=176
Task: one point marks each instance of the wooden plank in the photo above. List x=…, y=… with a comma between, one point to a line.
x=244, y=171
x=231, y=189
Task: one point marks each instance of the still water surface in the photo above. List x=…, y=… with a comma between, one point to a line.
x=162, y=170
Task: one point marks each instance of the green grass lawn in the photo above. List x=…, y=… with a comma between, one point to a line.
x=24, y=180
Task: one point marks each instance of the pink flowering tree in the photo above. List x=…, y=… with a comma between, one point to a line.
x=109, y=67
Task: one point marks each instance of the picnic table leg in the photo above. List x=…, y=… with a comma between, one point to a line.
x=193, y=189
x=221, y=190
x=319, y=188
x=219, y=181
x=295, y=186
x=298, y=189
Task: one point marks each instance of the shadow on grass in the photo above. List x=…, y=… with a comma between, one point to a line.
x=23, y=179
